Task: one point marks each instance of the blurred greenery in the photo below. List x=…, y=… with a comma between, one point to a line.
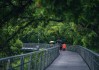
x=74, y=21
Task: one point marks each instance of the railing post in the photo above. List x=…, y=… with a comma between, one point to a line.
x=44, y=60
x=47, y=57
x=29, y=64
x=22, y=63
x=41, y=61
x=36, y=67
x=9, y=67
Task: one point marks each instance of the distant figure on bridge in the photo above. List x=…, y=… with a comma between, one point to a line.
x=59, y=41
x=64, y=46
x=51, y=43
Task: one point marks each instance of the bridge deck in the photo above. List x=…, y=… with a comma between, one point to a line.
x=68, y=60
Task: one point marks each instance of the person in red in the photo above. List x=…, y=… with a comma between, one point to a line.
x=64, y=46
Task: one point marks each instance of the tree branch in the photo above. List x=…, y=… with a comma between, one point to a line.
x=44, y=19
x=15, y=33
x=14, y=12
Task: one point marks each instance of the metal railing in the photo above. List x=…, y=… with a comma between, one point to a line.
x=90, y=57
x=37, y=60
x=33, y=45
x=29, y=47
x=71, y=48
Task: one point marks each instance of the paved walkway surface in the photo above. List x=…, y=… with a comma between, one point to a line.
x=68, y=60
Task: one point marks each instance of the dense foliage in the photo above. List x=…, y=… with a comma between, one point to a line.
x=74, y=21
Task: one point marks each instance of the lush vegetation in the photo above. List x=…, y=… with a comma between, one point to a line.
x=74, y=21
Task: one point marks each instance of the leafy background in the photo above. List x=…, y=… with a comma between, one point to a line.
x=74, y=21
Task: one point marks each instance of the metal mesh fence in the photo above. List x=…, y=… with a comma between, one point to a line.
x=91, y=58
x=37, y=60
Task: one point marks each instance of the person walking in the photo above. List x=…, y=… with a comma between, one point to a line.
x=59, y=41
x=64, y=46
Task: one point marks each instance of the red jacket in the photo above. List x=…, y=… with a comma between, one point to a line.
x=64, y=46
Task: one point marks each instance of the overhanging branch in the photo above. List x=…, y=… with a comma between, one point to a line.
x=44, y=19
x=22, y=27
x=14, y=12
x=18, y=31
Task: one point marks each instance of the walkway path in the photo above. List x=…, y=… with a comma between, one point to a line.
x=68, y=60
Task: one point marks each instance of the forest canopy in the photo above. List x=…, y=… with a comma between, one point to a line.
x=74, y=21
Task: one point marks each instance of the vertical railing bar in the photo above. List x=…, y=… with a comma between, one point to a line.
x=47, y=57
x=34, y=61
x=44, y=60
x=36, y=67
x=9, y=66
x=22, y=63
x=40, y=66
x=40, y=55
x=39, y=60
x=29, y=64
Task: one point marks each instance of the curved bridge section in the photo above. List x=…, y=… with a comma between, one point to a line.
x=68, y=60
x=91, y=58
x=75, y=58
